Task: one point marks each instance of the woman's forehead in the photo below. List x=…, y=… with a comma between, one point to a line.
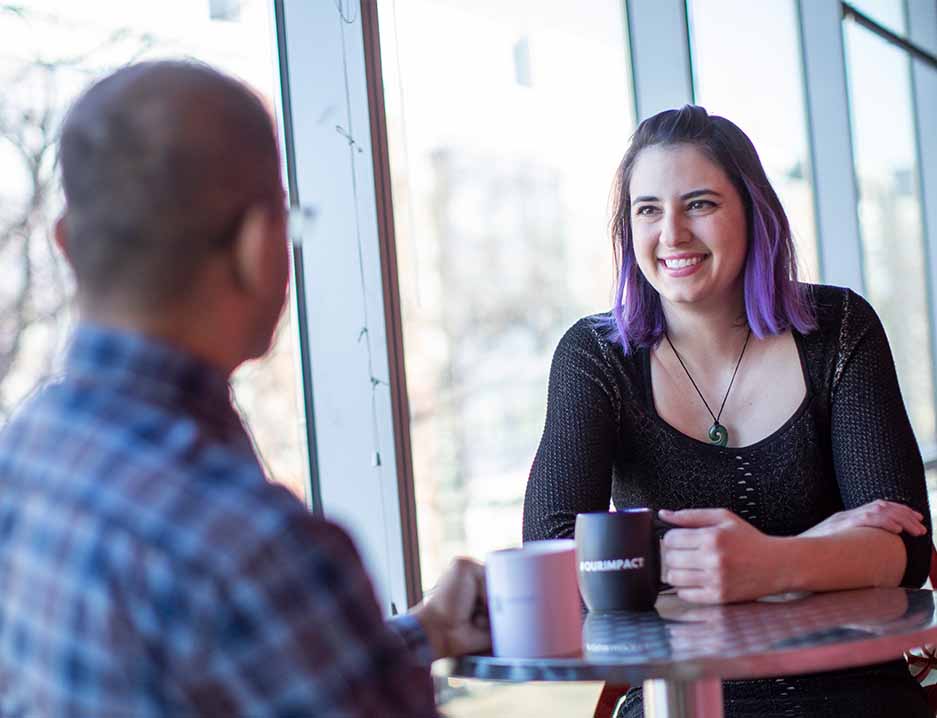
x=662, y=170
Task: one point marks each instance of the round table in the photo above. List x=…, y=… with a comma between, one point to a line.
x=682, y=652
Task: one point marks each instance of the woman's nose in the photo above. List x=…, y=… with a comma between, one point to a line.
x=672, y=230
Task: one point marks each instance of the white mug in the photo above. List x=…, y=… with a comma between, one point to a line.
x=533, y=600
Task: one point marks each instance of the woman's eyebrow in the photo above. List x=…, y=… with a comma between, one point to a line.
x=692, y=194
x=699, y=192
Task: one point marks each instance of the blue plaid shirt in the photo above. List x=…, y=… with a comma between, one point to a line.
x=147, y=568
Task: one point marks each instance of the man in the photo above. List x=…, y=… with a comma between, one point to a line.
x=146, y=566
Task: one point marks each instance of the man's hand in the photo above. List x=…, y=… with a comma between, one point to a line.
x=717, y=557
x=887, y=515
x=455, y=613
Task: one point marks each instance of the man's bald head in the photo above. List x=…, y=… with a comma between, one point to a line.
x=160, y=162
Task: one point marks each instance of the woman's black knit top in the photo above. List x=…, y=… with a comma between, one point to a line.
x=848, y=443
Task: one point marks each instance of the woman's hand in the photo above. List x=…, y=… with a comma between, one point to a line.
x=887, y=515
x=717, y=557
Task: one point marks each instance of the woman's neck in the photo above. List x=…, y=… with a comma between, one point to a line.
x=714, y=332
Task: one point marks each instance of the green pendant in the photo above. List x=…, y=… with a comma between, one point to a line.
x=718, y=434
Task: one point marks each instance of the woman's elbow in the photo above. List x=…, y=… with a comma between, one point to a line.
x=917, y=553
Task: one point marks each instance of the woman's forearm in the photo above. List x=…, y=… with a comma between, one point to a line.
x=853, y=558
x=713, y=556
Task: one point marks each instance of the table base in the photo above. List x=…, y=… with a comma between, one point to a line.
x=683, y=699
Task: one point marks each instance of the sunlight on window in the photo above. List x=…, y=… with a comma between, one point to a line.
x=502, y=159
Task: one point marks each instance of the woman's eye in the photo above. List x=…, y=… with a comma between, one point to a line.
x=645, y=210
x=701, y=204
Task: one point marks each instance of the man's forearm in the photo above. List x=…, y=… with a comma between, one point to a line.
x=853, y=558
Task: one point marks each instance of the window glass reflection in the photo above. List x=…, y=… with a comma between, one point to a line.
x=890, y=212
x=506, y=123
x=755, y=79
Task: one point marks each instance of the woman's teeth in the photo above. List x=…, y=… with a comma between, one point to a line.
x=682, y=262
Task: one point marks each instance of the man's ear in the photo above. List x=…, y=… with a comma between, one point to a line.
x=60, y=234
x=251, y=253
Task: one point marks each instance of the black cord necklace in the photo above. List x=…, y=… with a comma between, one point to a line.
x=718, y=434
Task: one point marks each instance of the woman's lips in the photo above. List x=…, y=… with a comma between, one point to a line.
x=683, y=265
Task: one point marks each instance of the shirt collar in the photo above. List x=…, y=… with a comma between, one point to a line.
x=149, y=366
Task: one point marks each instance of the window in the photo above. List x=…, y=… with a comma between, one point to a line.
x=506, y=122
x=763, y=95
x=502, y=159
x=50, y=52
x=890, y=218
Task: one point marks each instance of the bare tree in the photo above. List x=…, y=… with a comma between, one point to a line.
x=36, y=287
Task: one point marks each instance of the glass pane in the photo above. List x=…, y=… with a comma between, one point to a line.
x=888, y=13
x=763, y=95
x=890, y=212
x=506, y=123
x=51, y=51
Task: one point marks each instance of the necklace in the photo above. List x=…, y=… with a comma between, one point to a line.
x=718, y=434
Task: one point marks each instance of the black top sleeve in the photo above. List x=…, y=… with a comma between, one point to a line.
x=572, y=471
x=875, y=454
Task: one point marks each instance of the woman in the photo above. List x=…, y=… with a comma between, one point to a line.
x=763, y=416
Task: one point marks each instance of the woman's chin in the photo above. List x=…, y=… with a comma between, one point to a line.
x=696, y=294
x=684, y=295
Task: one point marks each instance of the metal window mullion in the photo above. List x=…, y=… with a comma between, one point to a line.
x=916, y=50
x=660, y=55
x=298, y=283
x=353, y=372
x=830, y=138
x=922, y=21
x=393, y=313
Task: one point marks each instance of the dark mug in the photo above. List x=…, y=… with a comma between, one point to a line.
x=618, y=559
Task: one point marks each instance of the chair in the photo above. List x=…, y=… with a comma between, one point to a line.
x=922, y=665
x=919, y=665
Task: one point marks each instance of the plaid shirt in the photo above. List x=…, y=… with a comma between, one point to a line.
x=147, y=568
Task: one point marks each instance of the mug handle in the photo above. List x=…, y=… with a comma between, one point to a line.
x=660, y=528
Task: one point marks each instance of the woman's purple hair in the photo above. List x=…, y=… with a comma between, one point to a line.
x=774, y=300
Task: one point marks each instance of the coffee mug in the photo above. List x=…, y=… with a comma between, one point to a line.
x=618, y=559
x=533, y=600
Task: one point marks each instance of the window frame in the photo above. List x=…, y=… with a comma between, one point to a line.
x=331, y=68
x=352, y=344
x=922, y=21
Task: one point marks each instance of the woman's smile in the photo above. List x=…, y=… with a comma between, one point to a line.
x=682, y=265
